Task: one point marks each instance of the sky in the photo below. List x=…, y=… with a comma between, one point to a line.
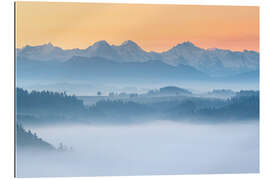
x=152, y=27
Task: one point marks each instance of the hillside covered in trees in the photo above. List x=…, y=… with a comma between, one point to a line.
x=245, y=105
x=47, y=100
x=54, y=107
x=29, y=140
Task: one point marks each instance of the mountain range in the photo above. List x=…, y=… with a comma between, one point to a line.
x=212, y=62
x=98, y=69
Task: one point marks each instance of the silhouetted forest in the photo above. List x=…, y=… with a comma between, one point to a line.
x=53, y=107
x=169, y=91
x=245, y=105
x=47, y=100
x=27, y=139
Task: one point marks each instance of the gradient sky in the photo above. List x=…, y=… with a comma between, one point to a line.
x=153, y=27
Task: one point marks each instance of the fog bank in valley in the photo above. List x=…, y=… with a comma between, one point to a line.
x=146, y=149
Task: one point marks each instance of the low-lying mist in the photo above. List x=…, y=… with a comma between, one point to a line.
x=160, y=147
x=88, y=88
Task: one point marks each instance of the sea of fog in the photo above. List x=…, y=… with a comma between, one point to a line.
x=147, y=149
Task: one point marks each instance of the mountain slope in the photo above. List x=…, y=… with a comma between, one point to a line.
x=214, y=62
x=97, y=68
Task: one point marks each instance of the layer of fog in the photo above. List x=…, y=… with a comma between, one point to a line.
x=146, y=149
x=86, y=88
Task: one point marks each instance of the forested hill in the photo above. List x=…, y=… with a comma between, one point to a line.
x=245, y=105
x=53, y=107
x=27, y=139
x=47, y=101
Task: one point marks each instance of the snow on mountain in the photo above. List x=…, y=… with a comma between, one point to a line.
x=131, y=52
x=211, y=61
x=185, y=53
x=46, y=52
x=101, y=49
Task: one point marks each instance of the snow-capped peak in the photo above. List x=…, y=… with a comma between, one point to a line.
x=101, y=43
x=49, y=44
x=186, y=53
x=129, y=43
x=186, y=44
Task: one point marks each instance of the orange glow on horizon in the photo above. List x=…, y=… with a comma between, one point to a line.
x=152, y=27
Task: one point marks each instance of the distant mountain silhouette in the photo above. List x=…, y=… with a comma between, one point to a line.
x=214, y=62
x=99, y=68
x=252, y=76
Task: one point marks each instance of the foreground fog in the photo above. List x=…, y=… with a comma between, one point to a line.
x=146, y=149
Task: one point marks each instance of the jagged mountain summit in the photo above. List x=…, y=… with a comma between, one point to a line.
x=129, y=51
x=214, y=62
